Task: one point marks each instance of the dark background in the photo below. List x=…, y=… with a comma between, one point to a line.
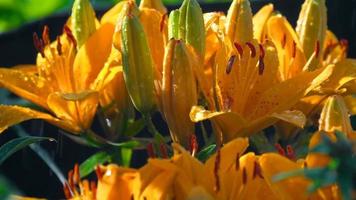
x=31, y=175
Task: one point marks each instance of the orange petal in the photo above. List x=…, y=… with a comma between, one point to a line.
x=77, y=108
x=260, y=20
x=12, y=115
x=92, y=56
x=26, y=85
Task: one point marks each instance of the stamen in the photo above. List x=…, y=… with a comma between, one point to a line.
x=262, y=51
x=239, y=48
x=290, y=152
x=257, y=171
x=38, y=43
x=317, y=49
x=237, y=161
x=252, y=48
x=230, y=63
x=294, y=50
x=216, y=171
x=162, y=22
x=163, y=150
x=280, y=150
x=244, y=176
x=344, y=43
x=284, y=40
x=76, y=175
x=151, y=151
x=330, y=47
x=70, y=179
x=59, y=46
x=99, y=173
x=193, y=145
x=70, y=35
x=261, y=66
x=67, y=192
x=45, y=35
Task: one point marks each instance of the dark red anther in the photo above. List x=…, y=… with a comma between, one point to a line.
x=70, y=35
x=38, y=43
x=239, y=48
x=230, y=63
x=151, y=151
x=216, y=171
x=329, y=48
x=193, y=144
x=237, y=161
x=344, y=43
x=252, y=49
x=257, y=171
x=317, y=49
x=294, y=49
x=280, y=149
x=99, y=173
x=45, y=36
x=244, y=176
x=59, y=46
x=284, y=41
x=163, y=150
x=261, y=66
x=162, y=22
x=290, y=152
x=262, y=51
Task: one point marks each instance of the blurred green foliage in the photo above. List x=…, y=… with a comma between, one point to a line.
x=14, y=13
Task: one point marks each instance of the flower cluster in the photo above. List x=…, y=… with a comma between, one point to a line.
x=235, y=75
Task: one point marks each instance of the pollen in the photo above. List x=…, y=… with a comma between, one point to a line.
x=230, y=63
x=239, y=48
x=252, y=49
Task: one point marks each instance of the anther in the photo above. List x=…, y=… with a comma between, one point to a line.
x=163, y=150
x=45, y=36
x=317, y=49
x=252, y=48
x=290, y=152
x=294, y=49
x=70, y=35
x=280, y=150
x=162, y=22
x=261, y=66
x=244, y=176
x=284, y=41
x=59, y=46
x=70, y=179
x=151, y=151
x=193, y=145
x=38, y=43
x=237, y=161
x=257, y=171
x=239, y=48
x=230, y=63
x=262, y=51
x=216, y=171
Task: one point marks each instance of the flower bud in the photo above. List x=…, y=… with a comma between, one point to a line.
x=189, y=25
x=311, y=28
x=179, y=91
x=239, y=26
x=83, y=21
x=137, y=64
x=335, y=116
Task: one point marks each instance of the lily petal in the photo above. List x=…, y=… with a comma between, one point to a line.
x=260, y=20
x=92, y=56
x=12, y=115
x=25, y=84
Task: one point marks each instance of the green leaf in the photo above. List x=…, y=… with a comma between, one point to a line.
x=42, y=153
x=17, y=144
x=205, y=153
x=88, y=165
x=6, y=189
x=129, y=144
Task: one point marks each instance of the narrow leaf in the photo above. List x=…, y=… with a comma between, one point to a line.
x=88, y=165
